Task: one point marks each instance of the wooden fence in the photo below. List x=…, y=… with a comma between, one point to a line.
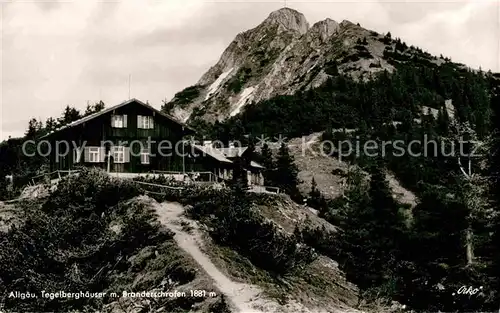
x=193, y=178
x=49, y=177
x=207, y=177
x=265, y=189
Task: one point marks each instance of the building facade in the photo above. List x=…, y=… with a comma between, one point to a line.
x=134, y=137
x=131, y=137
x=221, y=161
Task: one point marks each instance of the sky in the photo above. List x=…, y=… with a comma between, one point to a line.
x=71, y=52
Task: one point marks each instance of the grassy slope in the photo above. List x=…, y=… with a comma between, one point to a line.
x=320, y=284
x=125, y=249
x=312, y=164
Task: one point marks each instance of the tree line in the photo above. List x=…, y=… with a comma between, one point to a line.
x=423, y=256
x=15, y=162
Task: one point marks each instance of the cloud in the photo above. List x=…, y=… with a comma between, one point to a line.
x=69, y=52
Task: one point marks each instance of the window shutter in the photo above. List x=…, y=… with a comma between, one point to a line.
x=151, y=122
x=139, y=121
x=126, y=157
x=86, y=154
x=125, y=121
x=102, y=154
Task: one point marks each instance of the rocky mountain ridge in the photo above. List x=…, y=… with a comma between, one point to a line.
x=282, y=55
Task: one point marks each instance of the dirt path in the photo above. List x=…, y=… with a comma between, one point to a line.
x=245, y=298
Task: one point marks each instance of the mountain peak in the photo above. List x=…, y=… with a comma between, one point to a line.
x=325, y=28
x=346, y=23
x=288, y=19
x=282, y=55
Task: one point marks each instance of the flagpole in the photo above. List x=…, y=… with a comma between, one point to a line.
x=183, y=154
x=129, y=77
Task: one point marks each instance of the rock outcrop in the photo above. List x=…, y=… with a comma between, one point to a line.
x=281, y=56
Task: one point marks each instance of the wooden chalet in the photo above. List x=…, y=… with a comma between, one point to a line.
x=133, y=137
x=110, y=139
x=220, y=161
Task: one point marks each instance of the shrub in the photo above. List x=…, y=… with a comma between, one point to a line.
x=67, y=243
x=187, y=95
x=331, y=68
x=236, y=83
x=221, y=306
x=233, y=222
x=320, y=239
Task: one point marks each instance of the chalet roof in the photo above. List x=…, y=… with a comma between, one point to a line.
x=233, y=152
x=213, y=152
x=220, y=155
x=110, y=109
x=256, y=165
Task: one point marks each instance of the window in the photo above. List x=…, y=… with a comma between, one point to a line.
x=145, y=154
x=145, y=122
x=94, y=155
x=119, y=121
x=119, y=154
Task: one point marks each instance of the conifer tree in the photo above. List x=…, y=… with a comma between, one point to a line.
x=268, y=163
x=378, y=234
x=50, y=124
x=69, y=115
x=240, y=178
x=286, y=173
x=356, y=253
x=471, y=184
x=387, y=212
x=167, y=107
x=494, y=191
x=316, y=199
x=250, y=151
x=99, y=106
x=34, y=128
x=94, y=108
x=443, y=121
x=89, y=110
x=436, y=241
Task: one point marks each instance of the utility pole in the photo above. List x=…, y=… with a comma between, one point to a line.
x=183, y=154
x=109, y=161
x=285, y=3
x=129, y=77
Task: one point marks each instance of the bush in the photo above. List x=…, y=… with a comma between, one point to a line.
x=236, y=83
x=221, y=306
x=331, y=68
x=187, y=95
x=93, y=189
x=233, y=222
x=67, y=243
x=320, y=239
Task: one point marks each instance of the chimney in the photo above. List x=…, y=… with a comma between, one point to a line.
x=207, y=143
x=231, y=144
